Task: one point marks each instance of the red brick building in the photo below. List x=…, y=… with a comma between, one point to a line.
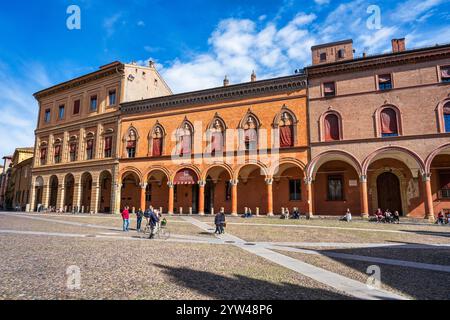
x=379, y=130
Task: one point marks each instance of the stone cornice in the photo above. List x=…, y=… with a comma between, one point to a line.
x=99, y=74
x=380, y=61
x=220, y=94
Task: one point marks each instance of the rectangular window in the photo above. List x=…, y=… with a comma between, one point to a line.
x=329, y=89
x=385, y=82
x=47, y=116
x=295, y=190
x=323, y=57
x=445, y=74
x=61, y=112
x=112, y=97
x=94, y=103
x=76, y=106
x=43, y=156
x=335, y=188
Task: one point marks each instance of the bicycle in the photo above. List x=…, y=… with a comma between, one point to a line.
x=161, y=231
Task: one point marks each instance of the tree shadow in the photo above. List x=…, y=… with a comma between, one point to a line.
x=242, y=287
x=430, y=233
x=422, y=284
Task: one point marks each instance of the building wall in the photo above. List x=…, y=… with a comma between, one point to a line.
x=417, y=93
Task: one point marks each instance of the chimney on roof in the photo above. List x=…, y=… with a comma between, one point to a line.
x=253, y=76
x=151, y=63
x=398, y=45
x=226, y=82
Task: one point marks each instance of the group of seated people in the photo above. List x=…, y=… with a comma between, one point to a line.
x=442, y=218
x=295, y=214
x=386, y=216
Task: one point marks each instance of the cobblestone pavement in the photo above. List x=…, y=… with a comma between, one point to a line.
x=35, y=261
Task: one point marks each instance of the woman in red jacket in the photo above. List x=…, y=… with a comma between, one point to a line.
x=126, y=218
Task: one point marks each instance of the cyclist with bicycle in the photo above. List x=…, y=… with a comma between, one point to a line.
x=154, y=223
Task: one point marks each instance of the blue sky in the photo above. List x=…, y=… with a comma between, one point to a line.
x=195, y=43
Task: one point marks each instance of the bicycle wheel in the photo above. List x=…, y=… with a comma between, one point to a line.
x=163, y=234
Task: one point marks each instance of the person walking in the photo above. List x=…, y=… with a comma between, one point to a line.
x=154, y=222
x=139, y=216
x=217, y=223
x=222, y=222
x=126, y=219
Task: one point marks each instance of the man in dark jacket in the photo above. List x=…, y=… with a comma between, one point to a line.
x=154, y=219
x=139, y=216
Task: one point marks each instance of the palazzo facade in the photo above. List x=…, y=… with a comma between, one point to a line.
x=237, y=148
x=75, y=157
x=358, y=133
x=380, y=130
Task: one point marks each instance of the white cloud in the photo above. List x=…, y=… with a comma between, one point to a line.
x=109, y=24
x=412, y=10
x=140, y=23
x=322, y=2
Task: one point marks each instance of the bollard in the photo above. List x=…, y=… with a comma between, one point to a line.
x=282, y=211
x=246, y=210
x=257, y=211
x=190, y=210
x=82, y=209
x=181, y=210
x=161, y=210
x=212, y=210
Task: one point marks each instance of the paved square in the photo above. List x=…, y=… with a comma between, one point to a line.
x=259, y=258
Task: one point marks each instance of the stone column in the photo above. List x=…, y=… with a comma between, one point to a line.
x=61, y=195
x=46, y=194
x=32, y=194
x=65, y=148
x=171, y=197
x=234, y=197
x=364, y=197
x=201, y=197
x=50, y=149
x=95, y=195
x=99, y=142
x=309, y=191
x=143, y=189
x=116, y=189
x=429, y=214
x=81, y=151
x=269, y=184
x=77, y=194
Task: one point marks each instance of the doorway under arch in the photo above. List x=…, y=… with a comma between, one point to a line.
x=389, y=194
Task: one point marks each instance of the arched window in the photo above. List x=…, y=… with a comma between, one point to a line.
x=251, y=133
x=185, y=138
x=73, y=149
x=131, y=144
x=90, y=146
x=286, y=126
x=216, y=134
x=43, y=154
x=57, y=151
x=389, y=123
x=447, y=116
x=157, y=141
x=332, y=127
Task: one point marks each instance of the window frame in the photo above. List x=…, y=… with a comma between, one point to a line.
x=63, y=108
x=96, y=102
x=79, y=107
x=334, y=94
x=443, y=80
x=380, y=86
x=296, y=195
x=47, y=112
x=341, y=178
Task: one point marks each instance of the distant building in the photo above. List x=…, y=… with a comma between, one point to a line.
x=19, y=183
x=4, y=177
